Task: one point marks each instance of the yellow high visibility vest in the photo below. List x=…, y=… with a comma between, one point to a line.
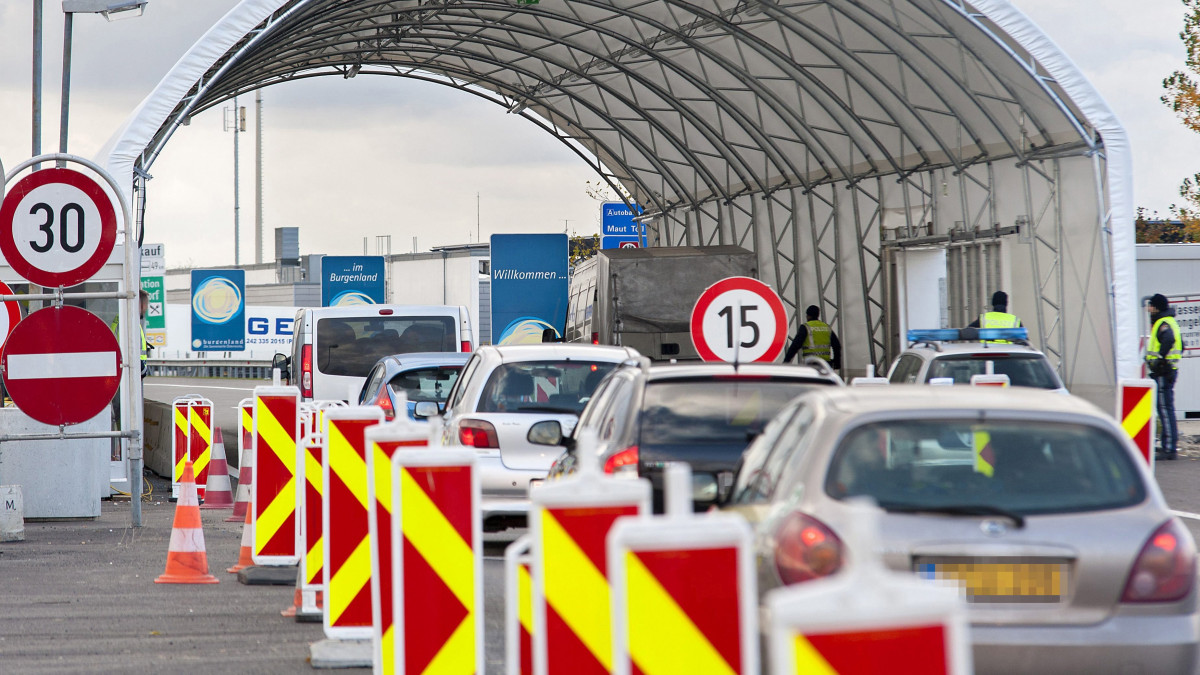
x=819, y=340
x=999, y=320
x=1176, y=351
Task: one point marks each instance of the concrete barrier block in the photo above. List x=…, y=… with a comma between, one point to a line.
x=12, y=513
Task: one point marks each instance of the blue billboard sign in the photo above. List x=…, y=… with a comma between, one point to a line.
x=352, y=280
x=617, y=224
x=218, y=310
x=529, y=286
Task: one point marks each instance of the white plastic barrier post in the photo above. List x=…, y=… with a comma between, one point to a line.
x=437, y=560
x=684, y=596
x=870, y=380
x=518, y=607
x=570, y=520
x=989, y=380
x=866, y=618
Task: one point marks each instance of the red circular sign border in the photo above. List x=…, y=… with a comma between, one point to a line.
x=108, y=228
x=78, y=323
x=751, y=285
x=14, y=313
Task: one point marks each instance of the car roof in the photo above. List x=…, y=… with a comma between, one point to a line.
x=658, y=372
x=922, y=398
x=559, y=350
x=942, y=348
x=417, y=359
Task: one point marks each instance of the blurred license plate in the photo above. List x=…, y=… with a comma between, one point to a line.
x=1001, y=582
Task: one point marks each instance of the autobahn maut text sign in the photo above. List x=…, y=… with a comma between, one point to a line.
x=739, y=319
x=57, y=227
x=61, y=365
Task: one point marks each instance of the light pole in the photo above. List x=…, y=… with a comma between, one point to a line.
x=111, y=10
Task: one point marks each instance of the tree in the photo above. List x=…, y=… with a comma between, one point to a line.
x=582, y=248
x=1183, y=98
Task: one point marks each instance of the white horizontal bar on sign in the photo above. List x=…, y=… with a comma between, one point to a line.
x=55, y=366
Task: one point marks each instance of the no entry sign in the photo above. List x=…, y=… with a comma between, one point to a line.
x=739, y=319
x=57, y=227
x=61, y=365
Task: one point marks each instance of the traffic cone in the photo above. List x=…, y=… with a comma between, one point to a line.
x=218, y=494
x=187, y=563
x=245, y=480
x=297, y=597
x=246, y=554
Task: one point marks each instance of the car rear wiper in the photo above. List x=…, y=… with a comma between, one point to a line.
x=957, y=510
x=546, y=408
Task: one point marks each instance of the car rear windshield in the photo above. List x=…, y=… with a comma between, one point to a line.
x=1023, y=370
x=426, y=384
x=713, y=411
x=1018, y=467
x=542, y=386
x=351, y=346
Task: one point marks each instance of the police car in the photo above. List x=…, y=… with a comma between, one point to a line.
x=953, y=356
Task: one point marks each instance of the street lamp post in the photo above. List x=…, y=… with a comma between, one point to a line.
x=111, y=10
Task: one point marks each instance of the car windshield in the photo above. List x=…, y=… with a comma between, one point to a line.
x=713, y=411
x=542, y=386
x=1023, y=370
x=1005, y=466
x=426, y=384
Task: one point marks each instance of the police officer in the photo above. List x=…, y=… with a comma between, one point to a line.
x=144, y=304
x=1162, y=360
x=816, y=338
x=998, y=317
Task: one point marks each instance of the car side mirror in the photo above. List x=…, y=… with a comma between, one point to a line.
x=423, y=409
x=281, y=362
x=546, y=432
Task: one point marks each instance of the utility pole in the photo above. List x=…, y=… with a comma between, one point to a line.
x=37, y=80
x=258, y=178
x=239, y=125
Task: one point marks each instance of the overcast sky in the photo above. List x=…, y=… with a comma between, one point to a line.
x=348, y=159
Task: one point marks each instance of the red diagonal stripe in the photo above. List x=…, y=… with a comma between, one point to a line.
x=703, y=582
x=1130, y=397
x=431, y=611
x=525, y=649
x=282, y=543
x=446, y=487
x=358, y=612
x=988, y=455
x=347, y=517
x=384, y=531
x=566, y=653
x=900, y=651
x=589, y=527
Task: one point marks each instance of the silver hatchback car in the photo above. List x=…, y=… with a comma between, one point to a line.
x=504, y=390
x=1035, y=505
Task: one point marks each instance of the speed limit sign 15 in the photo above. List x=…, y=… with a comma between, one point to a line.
x=57, y=227
x=739, y=319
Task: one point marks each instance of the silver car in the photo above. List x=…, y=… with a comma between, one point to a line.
x=955, y=361
x=1036, y=505
x=504, y=390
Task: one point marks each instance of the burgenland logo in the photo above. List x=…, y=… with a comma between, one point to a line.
x=216, y=301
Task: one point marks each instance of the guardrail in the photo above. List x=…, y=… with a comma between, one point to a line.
x=245, y=369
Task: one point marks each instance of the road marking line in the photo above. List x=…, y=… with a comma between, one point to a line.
x=195, y=386
x=1185, y=514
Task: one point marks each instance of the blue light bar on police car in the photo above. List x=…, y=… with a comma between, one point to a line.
x=967, y=334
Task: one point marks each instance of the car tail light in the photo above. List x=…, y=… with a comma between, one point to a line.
x=624, y=462
x=385, y=402
x=806, y=549
x=306, y=375
x=465, y=346
x=595, y=338
x=1165, y=568
x=385, y=312
x=477, y=434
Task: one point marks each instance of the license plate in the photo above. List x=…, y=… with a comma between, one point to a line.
x=534, y=483
x=984, y=582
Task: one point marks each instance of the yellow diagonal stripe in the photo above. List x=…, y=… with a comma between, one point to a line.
x=388, y=649
x=182, y=424
x=315, y=560
x=349, y=581
x=350, y=468
x=427, y=529
x=1139, y=417
x=247, y=419
x=279, y=440
x=383, y=478
x=273, y=517
x=312, y=472
x=808, y=660
x=663, y=639
x=525, y=598
x=982, y=438
x=198, y=422
x=457, y=656
x=576, y=589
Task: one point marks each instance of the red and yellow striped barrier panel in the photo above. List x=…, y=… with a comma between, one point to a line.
x=200, y=441
x=684, y=595
x=518, y=607
x=276, y=429
x=312, y=530
x=1136, y=412
x=383, y=441
x=437, y=562
x=347, y=550
x=570, y=519
x=246, y=415
x=179, y=441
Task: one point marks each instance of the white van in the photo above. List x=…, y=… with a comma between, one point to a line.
x=333, y=348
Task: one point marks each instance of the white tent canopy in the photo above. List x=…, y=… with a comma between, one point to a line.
x=834, y=138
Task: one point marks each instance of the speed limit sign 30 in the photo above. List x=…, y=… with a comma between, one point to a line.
x=739, y=319
x=57, y=227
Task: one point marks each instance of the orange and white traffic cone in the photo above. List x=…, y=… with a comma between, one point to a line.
x=187, y=563
x=297, y=597
x=246, y=553
x=218, y=494
x=245, y=480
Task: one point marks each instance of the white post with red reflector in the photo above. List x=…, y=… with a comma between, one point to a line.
x=989, y=378
x=870, y=380
x=570, y=520
x=684, y=596
x=866, y=618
